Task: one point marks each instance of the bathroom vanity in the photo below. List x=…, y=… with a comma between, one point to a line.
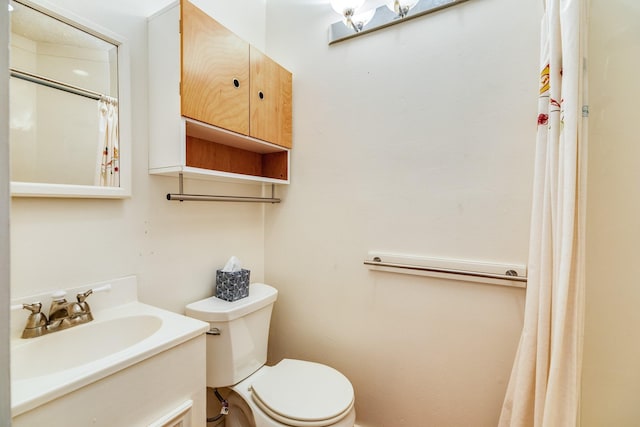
x=133, y=365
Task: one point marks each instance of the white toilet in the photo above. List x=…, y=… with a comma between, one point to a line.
x=291, y=393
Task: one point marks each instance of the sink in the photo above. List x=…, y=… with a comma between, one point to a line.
x=124, y=333
x=77, y=346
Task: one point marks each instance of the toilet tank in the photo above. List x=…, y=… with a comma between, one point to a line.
x=239, y=333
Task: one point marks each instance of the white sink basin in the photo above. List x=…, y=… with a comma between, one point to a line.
x=48, y=367
x=79, y=345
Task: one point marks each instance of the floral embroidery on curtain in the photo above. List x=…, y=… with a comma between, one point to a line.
x=108, y=164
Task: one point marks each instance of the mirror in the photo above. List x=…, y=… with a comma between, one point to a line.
x=68, y=106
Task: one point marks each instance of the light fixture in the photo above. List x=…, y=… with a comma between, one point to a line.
x=348, y=9
x=10, y=8
x=359, y=20
x=356, y=22
x=401, y=7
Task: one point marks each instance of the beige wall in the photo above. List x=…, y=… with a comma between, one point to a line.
x=417, y=139
x=4, y=217
x=611, y=373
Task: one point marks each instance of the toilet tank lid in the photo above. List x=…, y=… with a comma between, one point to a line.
x=214, y=309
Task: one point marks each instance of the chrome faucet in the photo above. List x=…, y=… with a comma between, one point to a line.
x=62, y=314
x=37, y=321
x=59, y=309
x=83, y=313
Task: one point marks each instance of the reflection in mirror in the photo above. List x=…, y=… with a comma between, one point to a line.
x=64, y=104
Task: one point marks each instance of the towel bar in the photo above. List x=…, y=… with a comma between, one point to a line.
x=181, y=196
x=466, y=270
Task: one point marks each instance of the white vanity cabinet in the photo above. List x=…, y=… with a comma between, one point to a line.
x=133, y=365
x=168, y=386
x=204, y=121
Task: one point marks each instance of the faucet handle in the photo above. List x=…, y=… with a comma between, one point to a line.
x=37, y=321
x=34, y=308
x=86, y=315
x=82, y=296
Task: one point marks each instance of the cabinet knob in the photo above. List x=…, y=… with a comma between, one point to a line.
x=261, y=95
x=236, y=83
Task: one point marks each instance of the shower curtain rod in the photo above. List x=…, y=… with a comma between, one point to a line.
x=182, y=197
x=55, y=84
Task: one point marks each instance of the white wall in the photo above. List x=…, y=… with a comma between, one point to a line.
x=611, y=370
x=5, y=200
x=418, y=139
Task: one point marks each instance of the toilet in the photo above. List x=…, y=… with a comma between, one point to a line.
x=291, y=393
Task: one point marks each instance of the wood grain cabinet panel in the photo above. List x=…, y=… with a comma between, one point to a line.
x=215, y=72
x=270, y=100
x=228, y=83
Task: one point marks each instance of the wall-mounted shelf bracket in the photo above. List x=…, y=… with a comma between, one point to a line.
x=181, y=196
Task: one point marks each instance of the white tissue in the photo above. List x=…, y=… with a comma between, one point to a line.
x=232, y=265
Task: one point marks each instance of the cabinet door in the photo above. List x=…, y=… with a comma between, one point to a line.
x=215, y=72
x=270, y=100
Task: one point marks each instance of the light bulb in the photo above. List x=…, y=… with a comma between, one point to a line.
x=346, y=7
x=358, y=21
x=401, y=7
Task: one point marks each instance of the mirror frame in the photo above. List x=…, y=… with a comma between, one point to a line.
x=35, y=189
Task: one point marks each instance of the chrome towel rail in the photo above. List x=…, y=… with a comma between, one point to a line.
x=510, y=275
x=181, y=196
x=211, y=198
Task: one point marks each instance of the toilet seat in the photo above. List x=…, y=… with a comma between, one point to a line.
x=303, y=394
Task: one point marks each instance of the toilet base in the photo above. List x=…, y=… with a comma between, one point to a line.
x=240, y=414
x=243, y=412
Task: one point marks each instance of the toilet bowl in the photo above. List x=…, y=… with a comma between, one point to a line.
x=292, y=393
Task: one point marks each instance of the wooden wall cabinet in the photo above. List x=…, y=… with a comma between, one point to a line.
x=229, y=113
x=270, y=100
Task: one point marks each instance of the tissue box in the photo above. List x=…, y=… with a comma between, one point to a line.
x=232, y=285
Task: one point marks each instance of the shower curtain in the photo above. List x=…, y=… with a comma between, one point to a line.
x=108, y=163
x=544, y=388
